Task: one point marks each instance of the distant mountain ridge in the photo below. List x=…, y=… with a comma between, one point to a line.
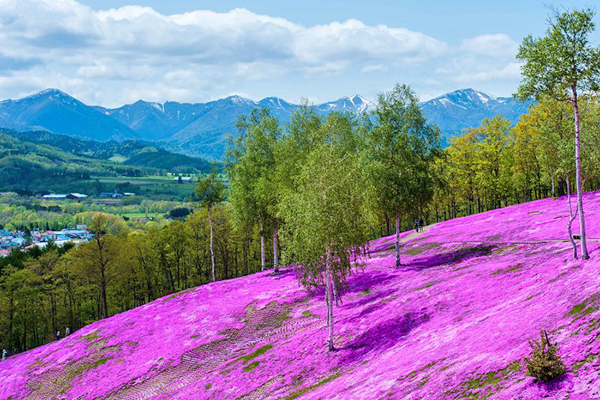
x=56, y=111
x=466, y=108
x=203, y=128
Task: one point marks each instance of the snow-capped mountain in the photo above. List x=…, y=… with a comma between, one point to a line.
x=352, y=104
x=155, y=121
x=56, y=111
x=466, y=108
x=203, y=128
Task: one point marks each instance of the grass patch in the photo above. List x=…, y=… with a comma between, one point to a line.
x=417, y=249
x=430, y=365
x=251, y=366
x=297, y=393
x=515, y=366
x=309, y=314
x=414, y=251
x=482, y=386
x=179, y=294
x=557, y=278
x=588, y=359
x=99, y=362
x=92, y=336
x=118, y=158
x=509, y=270
x=258, y=352
x=582, y=309
x=427, y=285
x=365, y=291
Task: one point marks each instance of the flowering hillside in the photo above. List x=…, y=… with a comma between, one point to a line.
x=453, y=322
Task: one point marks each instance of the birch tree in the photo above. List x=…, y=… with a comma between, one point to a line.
x=400, y=152
x=325, y=220
x=251, y=167
x=210, y=193
x=563, y=65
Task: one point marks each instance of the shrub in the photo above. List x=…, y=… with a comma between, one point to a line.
x=180, y=212
x=544, y=364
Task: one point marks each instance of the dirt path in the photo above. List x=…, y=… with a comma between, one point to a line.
x=541, y=241
x=416, y=234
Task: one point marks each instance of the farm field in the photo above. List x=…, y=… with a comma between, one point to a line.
x=144, y=180
x=141, y=215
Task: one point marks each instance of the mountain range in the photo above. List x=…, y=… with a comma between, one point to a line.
x=203, y=128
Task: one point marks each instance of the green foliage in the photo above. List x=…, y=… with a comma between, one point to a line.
x=42, y=162
x=179, y=212
x=171, y=162
x=210, y=191
x=129, y=152
x=563, y=61
x=563, y=65
x=544, y=364
x=251, y=168
x=399, y=155
x=251, y=366
x=325, y=219
x=495, y=165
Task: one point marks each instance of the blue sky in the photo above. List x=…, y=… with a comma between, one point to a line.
x=111, y=52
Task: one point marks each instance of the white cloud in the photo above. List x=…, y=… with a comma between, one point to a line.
x=485, y=59
x=142, y=48
x=120, y=55
x=497, y=46
x=510, y=71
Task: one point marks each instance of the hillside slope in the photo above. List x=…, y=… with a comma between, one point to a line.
x=453, y=322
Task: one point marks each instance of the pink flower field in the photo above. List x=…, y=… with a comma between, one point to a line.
x=452, y=323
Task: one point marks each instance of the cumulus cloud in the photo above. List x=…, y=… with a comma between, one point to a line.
x=497, y=46
x=118, y=55
x=66, y=41
x=483, y=59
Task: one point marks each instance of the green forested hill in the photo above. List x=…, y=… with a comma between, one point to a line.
x=34, y=162
x=130, y=152
x=166, y=160
x=27, y=166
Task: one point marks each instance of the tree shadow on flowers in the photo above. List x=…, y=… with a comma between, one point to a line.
x=559, y=383
x=448, y=258
x=361, y=281
x=383, y=335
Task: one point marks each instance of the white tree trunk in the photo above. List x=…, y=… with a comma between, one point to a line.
x=571, y=219
x=212, y=253
x=275, y=247
x=398, y=264
x=329, y=299
x=584, y=251
x=263, y=261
